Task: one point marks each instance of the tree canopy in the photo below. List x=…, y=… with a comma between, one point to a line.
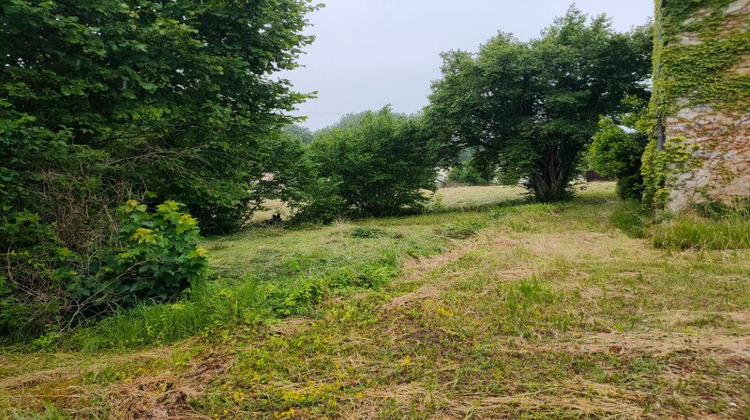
x=110, y=100
x=533, y=107
x=380, y=162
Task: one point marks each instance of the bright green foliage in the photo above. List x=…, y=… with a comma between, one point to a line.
x=176, y=95
x=467, y=173
x=616, y=153
x=161, y=256
x=532, y=107
x=321, y=203
x=154, y=255
x=105, y=100
x=379, y=165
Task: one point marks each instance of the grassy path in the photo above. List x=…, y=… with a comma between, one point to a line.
x=528, y=311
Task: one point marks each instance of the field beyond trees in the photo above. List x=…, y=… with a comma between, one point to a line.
x=487, y=307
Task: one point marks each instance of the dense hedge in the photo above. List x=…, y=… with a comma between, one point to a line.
x=110, y=100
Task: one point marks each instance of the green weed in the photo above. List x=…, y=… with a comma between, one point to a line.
x=629, y=217
x=690, y=232
x=460, y=230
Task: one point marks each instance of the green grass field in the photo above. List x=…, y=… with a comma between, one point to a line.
x=492, y=307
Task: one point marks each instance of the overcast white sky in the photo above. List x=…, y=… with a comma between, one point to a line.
x=370, y=53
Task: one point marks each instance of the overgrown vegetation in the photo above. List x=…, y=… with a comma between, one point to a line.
x=289, y=273
x=547, y=300
x=155, y=257
x=102, y=102
x=469, y=302
x=618, y=147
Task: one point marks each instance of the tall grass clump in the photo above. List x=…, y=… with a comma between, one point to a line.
x=215, y=307
x=629, y=217
x=210, y=309
x=694, y=232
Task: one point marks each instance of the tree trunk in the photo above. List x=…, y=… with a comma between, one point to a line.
x=552, y=177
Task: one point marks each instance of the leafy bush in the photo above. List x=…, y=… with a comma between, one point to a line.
x=107, y=100
x=153, y=255
x=616, y=153
x=174, y=95
x=466, y=173
x=160, y=256
x=321, y=202
x=378, y=165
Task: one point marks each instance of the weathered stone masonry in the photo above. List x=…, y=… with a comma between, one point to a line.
x=702, y=100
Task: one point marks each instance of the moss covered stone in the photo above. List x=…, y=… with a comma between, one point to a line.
x=701, y=104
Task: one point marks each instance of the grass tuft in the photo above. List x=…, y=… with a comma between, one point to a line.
x=629, y=217
x=692, y=232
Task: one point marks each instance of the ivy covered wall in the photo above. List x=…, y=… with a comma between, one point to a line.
x=701, y=104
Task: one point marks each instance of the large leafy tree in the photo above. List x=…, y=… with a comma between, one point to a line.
x=533, y=107
x=174, y=95
x=106, y=100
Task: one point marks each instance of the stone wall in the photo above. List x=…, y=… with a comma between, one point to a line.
x=702, y=89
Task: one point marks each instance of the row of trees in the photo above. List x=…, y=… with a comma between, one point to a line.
x=526, y=111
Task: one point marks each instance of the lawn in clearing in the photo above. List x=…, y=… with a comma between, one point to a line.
x=451, y=198
x=502, y=311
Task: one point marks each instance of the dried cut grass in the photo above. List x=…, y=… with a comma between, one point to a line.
x=166, y=395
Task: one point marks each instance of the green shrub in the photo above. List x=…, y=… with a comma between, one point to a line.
x=321, y=203
x=466, y=173
x=378, y=165
x=161, y=255
x=153, y=255
x=692, y=232
x=99, y=117
x=202, y=145
x=617, y=153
